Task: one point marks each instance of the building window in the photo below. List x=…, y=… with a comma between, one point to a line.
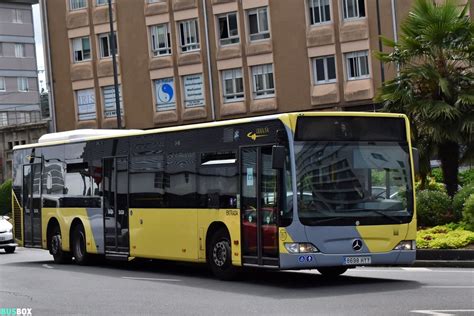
x=357, y=64
x=19, y=50
x=165, y=94
x=110, y=108
x=101, y=2
x=189, y=37
x=1, y=49
x=105, y=47
x=155, y=1
x=85, y=104
x=17, y=16
x=4, y=122
x=232, y=85
x=319, y=11
x=353, y=9
x=263, y=85
x=77, y=4
x=160, y=40
x=258, y=24
x=22, y=84
x=82, y=49
x=228, y=30
x=193, y=87
x=324, y=69
x=2, y=84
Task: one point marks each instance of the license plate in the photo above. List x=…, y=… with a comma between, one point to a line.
x=2, y=238
x=357, y=260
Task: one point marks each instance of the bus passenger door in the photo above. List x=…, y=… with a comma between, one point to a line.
x=115, y=189
x=32, y=204
x=259, y=211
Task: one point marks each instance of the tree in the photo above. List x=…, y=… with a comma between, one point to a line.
x=435, y=84
x=6, y=197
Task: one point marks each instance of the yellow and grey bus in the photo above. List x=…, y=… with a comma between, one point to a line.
x=326, y=190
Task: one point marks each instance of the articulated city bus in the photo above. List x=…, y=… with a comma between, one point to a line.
x=327, y=191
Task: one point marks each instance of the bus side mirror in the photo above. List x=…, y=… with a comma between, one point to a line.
x=278, y=157
x=416, y=160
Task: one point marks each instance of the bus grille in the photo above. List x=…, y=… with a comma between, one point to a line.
x=17, y=219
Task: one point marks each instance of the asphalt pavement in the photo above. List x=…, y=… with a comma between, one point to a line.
x=30, y=280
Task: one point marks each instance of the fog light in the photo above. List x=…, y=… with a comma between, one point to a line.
x=406, y=245
x=295, y=247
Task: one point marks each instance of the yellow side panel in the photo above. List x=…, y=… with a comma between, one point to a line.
x=164, y=234
x=231, y=219
x=382, y=238
x=284, y=238
x=65, y=216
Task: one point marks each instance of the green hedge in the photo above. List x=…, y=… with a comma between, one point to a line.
x=444, y=237
x=433, y=208
x=468, y=212
x=459, y=200
x=6, y=197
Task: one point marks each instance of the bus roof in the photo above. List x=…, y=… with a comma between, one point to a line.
x=76, y=136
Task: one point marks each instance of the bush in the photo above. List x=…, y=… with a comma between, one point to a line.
x=459, y=200
x=466, y=177
x=432, y=185
x=444, y=237
x=433, y=208
x=468, y=212
x=437, y=174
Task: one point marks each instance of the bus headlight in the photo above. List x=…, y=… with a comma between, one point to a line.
x=406, y=245
x=295, y=247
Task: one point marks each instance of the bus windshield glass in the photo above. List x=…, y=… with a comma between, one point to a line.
x=353, y=183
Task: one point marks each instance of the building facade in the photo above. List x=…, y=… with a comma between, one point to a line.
x=187, y=61
x=20, y=115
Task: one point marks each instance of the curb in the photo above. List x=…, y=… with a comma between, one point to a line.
x=452, y=258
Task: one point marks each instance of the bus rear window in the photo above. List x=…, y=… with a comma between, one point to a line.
x=353, y=128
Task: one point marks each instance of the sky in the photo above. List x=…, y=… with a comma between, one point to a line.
x=39, y=47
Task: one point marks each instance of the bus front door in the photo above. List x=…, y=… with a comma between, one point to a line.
x=115, y=188
x=32, y=204
x=258, y=205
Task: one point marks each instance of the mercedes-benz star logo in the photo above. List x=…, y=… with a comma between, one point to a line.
x=357, y=244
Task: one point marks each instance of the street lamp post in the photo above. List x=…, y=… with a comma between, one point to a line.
x=114, y=64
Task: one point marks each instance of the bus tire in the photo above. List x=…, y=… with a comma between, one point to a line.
x=332, y=272
x=56, y=249
x=79, y=250
x=10, y=249
x=220, y=255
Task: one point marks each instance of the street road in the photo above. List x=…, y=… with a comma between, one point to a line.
x=30, y=279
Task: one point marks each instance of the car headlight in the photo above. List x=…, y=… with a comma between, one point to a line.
x=406, y=245
x=295, y=247
x=10, y=230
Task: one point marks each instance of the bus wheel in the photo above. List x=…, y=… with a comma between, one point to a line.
x=56, y=249
x=220, y=255
x=79, y=245
x=332, y=271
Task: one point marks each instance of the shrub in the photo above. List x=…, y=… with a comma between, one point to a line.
x=444, y=237
x=6, y=197
x=433, y=208
x=459, y=200
x=437, y=174
x=432, y=185
x=468, y=212
x=466, y=177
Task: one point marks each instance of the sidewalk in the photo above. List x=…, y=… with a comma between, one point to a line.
x=453, y=258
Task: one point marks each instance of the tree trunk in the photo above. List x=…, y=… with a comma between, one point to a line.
x=448, y=153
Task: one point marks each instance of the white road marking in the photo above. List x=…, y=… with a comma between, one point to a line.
x=449, y=286
x=47, y=266
x=442, y=312
x=416, y=269
x=152, y=279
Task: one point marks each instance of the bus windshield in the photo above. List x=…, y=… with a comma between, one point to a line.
x=353, y=183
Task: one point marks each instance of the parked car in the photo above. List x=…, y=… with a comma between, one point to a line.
x=6, y=235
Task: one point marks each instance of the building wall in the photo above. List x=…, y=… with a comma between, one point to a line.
x=293, y=44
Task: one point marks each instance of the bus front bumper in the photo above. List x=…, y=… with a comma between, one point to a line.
x=315, y=260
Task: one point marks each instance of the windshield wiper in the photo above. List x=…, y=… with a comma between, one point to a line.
x=330, y=219
x=391, y=217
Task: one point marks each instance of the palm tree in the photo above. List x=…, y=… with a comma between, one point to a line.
x=435, y=84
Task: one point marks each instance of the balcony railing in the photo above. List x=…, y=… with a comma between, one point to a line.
x=14, y=117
